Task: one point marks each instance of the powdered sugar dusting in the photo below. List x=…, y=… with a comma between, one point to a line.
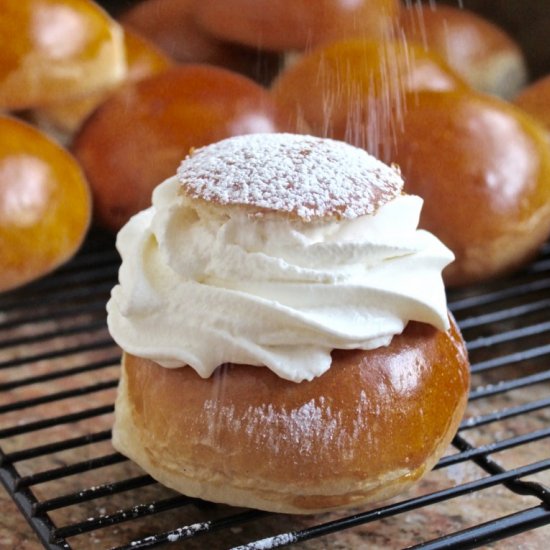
x=299, y=175
x=315, y=428
x=188, y=531
x=270, y=542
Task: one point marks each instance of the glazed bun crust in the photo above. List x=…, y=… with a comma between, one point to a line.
x=535, y=100
x=482, y=167
x=364, y=431
x=57, y=49
x=354, y=99
x=281, y=25
x=137, y=137
x=479, y=51
x=45, y=204
x=63, y=119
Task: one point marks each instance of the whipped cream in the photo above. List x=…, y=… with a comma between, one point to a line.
x=202, y=285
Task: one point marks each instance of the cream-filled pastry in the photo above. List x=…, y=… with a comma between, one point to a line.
x=277, y=303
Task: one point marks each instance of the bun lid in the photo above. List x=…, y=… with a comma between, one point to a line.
x=299, y=176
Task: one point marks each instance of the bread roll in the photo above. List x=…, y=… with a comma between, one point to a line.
x=56, y=49
x=45, y=204
x=281, y=25
x=482, y=167
x=172, y=26
x=354, y=90
x=63, y=119
x=535, y=100
x=137, y=137
x=479, y=51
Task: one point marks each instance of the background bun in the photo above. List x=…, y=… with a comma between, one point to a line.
x=535, y=100
x=478, y=50
x=138, y=136
x=299, y=24
x=372, y=425
x=172, y=26
x=482, y=167
x=56, y=49
x=353, y=90
x=45, y=204
x=63, y=119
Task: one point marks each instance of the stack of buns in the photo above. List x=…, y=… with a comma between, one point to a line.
x=68, y=59
x=52, y=51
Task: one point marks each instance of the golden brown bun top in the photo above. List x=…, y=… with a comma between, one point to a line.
x=482, y=167
x=481, y=52
x=56, y=49
x=446, y=28
x=295, y=24
x=353, y=90
x=299, y=176
x=45, y=204
x=535, y=100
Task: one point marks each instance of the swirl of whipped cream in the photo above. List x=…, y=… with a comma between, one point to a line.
x=201, y=285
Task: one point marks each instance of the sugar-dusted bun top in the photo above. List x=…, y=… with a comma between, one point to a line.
x=301, y=176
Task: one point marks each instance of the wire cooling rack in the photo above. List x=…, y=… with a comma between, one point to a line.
x=58, y=376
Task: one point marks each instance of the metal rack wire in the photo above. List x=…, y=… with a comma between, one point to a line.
x=58, y=375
